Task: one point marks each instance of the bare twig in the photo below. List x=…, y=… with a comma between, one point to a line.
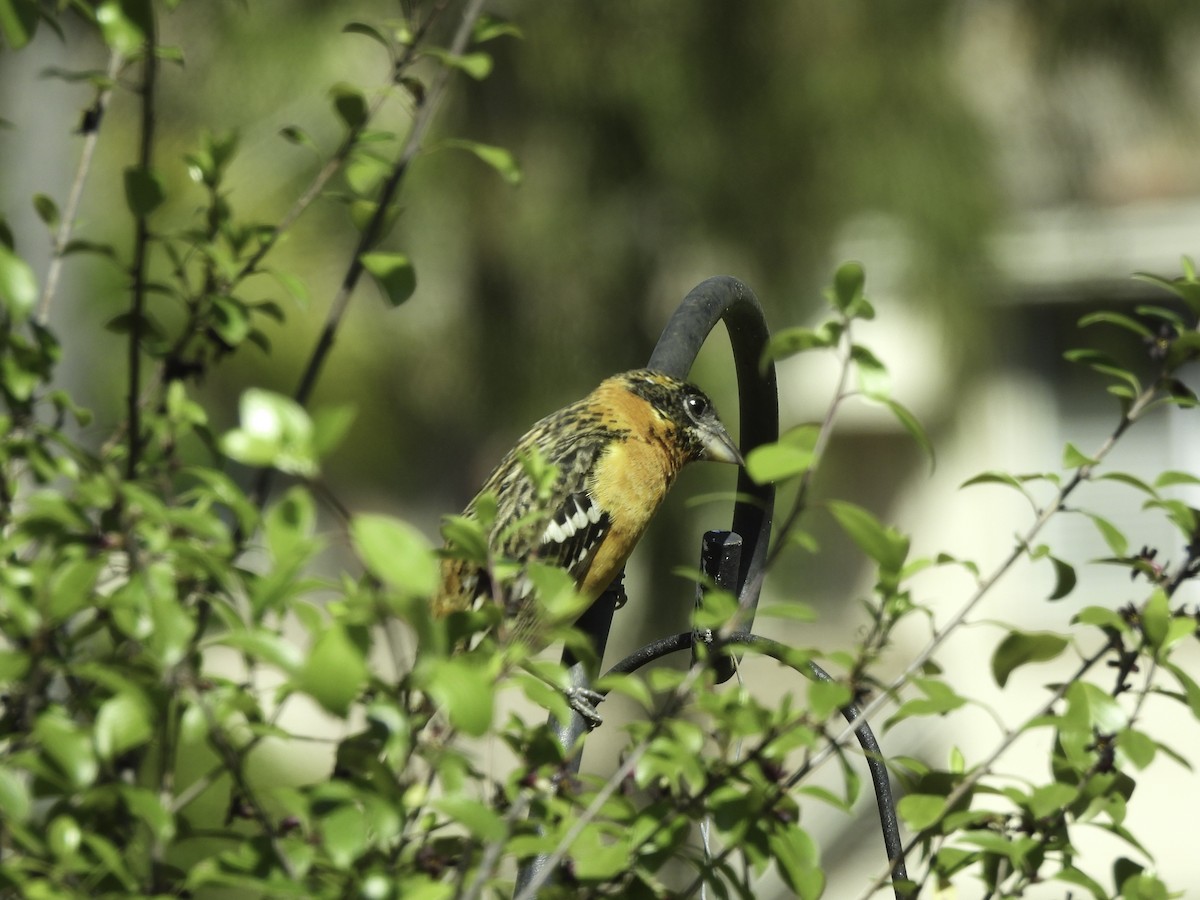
x=609, y=788
x=141, y=247
x=374, y=228
x=985, y=586
x=800, y=504
x=91, y=136
x=233, y=761
x=334, y=163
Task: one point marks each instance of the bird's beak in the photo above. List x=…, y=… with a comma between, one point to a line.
x=719, y=446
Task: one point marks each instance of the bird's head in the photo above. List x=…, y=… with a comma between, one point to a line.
x=688, y=408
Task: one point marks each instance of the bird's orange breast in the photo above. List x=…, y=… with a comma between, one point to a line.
x=629, y=483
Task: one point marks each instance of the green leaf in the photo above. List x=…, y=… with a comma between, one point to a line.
x=63, y=837
x=1051, y=798
x=1191, y=690
x=478, y=818
x=1186, y=289
x=296, y=135
x=792, y=455
x=1184, y=517
x=798, y=862
x=497, y=157
x=884, y=544
x=144, y=191
x=1172, y=477
x=330, y=424
x=396, y=553
x=913, y=426
x=122, y=723
x=466, y=536
x=1002, y=478
x=368, y=31
x=349, y=104
x=1118, y=319
x=1144, y=886
x=171, y=626
x=465, y=690
x=365, y=172
x=1156, y=617
x=1064, y=578
x=149, y=807
x=794, y=611
x=477, y=65
x=1106, y=365
x=1112, y=535
x=1139, y=748
x=631, y=685
x=335, y=672
x=1074, y=458
x=71, y=587
x=18, y=285
x=125, y=24
x=293, y=284
x=873, y=379
x=1179, y=628
x=394, y=274
x=1089, y=707
x=345, y=834
x=275, y=431
x=939, y=699
x=264, y=647
x=826, y=697
x=919, y=811
x=111, y=860
x=546, y=696
x=488, y=28
x=1020, y=648
x=18, y=22
x=848, y=284
x=1100, y=616
x=15, y=802
x=790, y=341
x=68, y=746
x=556, y=593
x=231, y=320
x=47, y=210
x=289, y=526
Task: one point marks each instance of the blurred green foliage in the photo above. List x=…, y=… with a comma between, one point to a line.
x=159, y=616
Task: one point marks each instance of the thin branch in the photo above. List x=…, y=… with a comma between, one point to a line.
x=823, y=435
x=141, y=246
x=985, y=586
x=233, y=761
x=374, y=228
x=491, y=856
x=609, y=788
x=984, y=768
x=331, y=167
x=91, y=136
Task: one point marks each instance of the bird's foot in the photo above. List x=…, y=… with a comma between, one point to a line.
x=584, y=701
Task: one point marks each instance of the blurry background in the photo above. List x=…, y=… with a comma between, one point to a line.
x=999, y=167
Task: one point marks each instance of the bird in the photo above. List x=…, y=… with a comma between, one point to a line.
x=615, y=453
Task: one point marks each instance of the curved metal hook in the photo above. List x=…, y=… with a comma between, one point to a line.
x=726, y=299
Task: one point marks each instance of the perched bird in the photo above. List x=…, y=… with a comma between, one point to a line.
x=617, y=452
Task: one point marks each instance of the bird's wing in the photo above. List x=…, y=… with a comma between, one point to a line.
x=574, y=532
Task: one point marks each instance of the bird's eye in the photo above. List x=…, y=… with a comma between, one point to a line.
x=697, y=407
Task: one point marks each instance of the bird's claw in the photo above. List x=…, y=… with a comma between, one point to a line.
x=584, y=701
